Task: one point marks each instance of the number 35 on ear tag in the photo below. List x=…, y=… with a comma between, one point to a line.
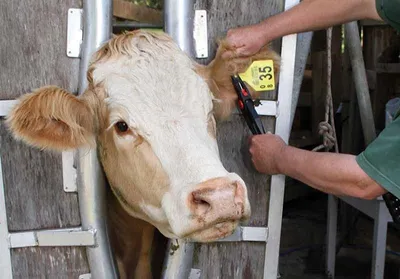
x=260, y=75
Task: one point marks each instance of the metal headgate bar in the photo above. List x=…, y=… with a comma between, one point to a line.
x=178, y=23
x=97, y=19
x=5, y=255
x=282, y=128
x=52, y=238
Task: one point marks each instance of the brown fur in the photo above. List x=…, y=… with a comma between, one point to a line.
x=52, y=118
x=218, y=76
x=131, y=240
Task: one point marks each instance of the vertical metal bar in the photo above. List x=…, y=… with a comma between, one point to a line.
x=331, y=235
x=360, y=81
x=5, y=256
x=302, y=51
x=178, y=23
x=379, y=244
x=178, y=262
x=285, y=92
x=97, y=27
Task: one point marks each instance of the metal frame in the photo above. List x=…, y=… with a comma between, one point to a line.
x=178, y=259
x=268, y=108
x=302, y=51
x=200, y=34
x=53, y=238
x=179, y=21
x=74, y=32
x=5, y=255
x=97, y=26
x=282, y=128
x=179, y=24
x=376, y=208
x=247, y=234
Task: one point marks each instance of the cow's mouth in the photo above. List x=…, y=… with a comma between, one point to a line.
x=214, y=232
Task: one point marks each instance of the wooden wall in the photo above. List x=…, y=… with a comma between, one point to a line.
x=237, y=260
x=32, y=54
x=382, y=62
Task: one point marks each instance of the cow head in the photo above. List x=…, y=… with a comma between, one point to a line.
x=149, y=110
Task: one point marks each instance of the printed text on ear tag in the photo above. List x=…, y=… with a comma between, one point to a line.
x=260, y=75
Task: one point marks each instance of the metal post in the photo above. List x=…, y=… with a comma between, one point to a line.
x=331, y=236
x=5, y=254
x=178, y=23
x=285, y=92
x=379, y=244
x=178, y=259
x=302, y=51
x=360, y=81
x=91, y=182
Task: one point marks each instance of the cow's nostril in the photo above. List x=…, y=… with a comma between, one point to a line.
x=201, y=206
x=239, y=193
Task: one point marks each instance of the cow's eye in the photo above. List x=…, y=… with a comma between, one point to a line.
x=121, y=126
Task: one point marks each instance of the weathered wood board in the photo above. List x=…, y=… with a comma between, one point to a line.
x=380, y=45
x=237, y=260
x=32, y=54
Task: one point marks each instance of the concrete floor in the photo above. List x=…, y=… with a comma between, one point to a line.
x=303, y=239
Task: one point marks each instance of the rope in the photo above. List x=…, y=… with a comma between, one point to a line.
x=326, y=129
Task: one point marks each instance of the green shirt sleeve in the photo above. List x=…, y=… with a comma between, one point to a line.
x=389, y=11
x=381, y=159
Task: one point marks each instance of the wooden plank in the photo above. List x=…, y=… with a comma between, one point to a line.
x=375, y=40
x=237, y=260
x=48, y=262
x=33, y=48
x=131, y=11
x=388, y=68
x=225, y=14
x=380, y=45
x=33, y=54
x=35, y=198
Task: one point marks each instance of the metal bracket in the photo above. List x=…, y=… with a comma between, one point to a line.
x=195, y=274
x=247, y=234
x=69, y=172
x=200, y=34
x=265, y=108
x=74, y=32
x=268, y=108
x=5, y=107
x=53, y=238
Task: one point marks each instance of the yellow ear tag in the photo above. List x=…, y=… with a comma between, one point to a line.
x=260, y=75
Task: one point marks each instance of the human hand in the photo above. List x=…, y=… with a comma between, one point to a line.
x=244, y=41
x=265, y=152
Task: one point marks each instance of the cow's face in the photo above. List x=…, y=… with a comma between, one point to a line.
x=150, y=111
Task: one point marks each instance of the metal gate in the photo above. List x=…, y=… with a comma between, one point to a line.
x=29, y=215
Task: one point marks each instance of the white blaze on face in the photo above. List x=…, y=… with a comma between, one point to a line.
x=158, y=94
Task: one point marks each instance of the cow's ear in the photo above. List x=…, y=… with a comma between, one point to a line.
x=218, y=76
x=52, y=118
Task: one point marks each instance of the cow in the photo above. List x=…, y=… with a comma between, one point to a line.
x=150, y=111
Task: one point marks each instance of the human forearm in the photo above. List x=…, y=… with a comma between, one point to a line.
x=337, y=174
x=317, y=14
